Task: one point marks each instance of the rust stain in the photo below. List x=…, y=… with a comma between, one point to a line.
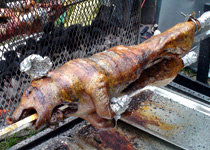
x=138, y=99
x=144, y=118
x=114, y=139
x=139, y=112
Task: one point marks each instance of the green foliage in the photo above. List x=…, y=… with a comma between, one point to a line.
x=15, y=138
x=188, y=72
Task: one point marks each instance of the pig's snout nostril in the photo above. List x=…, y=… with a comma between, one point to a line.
x=10, y=120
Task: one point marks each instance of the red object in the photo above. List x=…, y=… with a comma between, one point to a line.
x=3, y=111
x=143, y=3
x=26, y=20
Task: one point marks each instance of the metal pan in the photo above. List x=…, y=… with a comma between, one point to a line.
x=172, y=117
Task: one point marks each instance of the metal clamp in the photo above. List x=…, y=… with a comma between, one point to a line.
x=191, y=17
x=196, y=24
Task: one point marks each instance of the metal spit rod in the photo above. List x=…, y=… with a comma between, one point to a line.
x=22, y=124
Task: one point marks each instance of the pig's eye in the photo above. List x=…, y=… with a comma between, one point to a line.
x=29, y=90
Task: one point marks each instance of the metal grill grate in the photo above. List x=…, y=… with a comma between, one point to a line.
x=62, y=30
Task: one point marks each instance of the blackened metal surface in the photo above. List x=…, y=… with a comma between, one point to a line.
x=192, y=84
x=149, y=12
x=173, y=117
x=203, y=60
x=126, y=137
x=46, y=134
x=176, y=88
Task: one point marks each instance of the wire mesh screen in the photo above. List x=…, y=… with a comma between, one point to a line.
x=62, y=30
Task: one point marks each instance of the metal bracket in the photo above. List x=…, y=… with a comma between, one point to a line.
x=191, y=17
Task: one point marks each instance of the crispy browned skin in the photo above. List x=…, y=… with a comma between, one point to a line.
x=92, y=82
x=159, y=74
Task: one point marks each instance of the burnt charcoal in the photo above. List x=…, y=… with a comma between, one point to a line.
x=74, y=30
x=106, y=26
x=6, y=75
x=48, y=27
x=3, y=4
x=70, y=45
x=58, y=31
x=82, y=39
x=21, y=49
x=105, y=12
x=87, y=29
x=66, y=34
x=93, y=37
x=113, y=29
x=38, y=47
x=31, y=42
x=99, y=24
x=45, y=40
x=21, y=59
x=64, y=39
x=57, y=42
x=1, y=85
x=14, y=68
x=3, y=20
x=28, y=53
x=61, y=25
x=3, y=65
x=88, y=40
x=10, y=56
x=44, y=51
x=97, y=33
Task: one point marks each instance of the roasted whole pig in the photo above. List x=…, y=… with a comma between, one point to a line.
x=88, y=84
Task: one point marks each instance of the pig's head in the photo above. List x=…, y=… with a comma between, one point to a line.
x=44, y=96
x=41, y=97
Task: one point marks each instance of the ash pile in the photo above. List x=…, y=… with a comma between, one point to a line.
x=61, y=33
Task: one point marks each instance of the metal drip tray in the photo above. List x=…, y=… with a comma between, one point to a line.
x=172, y=117
x=168, y=115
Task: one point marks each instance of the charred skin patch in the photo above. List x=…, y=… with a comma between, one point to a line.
x=113, y=139
x=29, y=90
x=38, y=93
x=165, y=69
x=40, y=96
